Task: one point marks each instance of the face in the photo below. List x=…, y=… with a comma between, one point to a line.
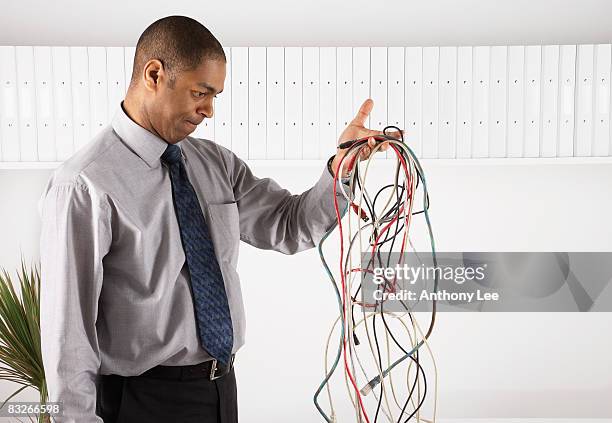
x=175, y=110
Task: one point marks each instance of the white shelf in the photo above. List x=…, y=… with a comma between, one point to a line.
x=425, y=162
x=458, y=162
x=29, y=165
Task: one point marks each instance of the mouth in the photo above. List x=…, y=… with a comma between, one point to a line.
x=190, y=123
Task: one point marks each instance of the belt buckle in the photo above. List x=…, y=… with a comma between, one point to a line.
x=224, y=370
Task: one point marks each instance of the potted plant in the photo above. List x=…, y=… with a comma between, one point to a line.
x=20, y=351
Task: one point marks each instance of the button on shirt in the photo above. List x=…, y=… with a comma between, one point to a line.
x=115, y=289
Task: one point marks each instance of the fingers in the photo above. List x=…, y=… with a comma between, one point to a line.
x=372, y=136
x=396, y=134
x=372, y=143
x=366, y=151
x=364, y=112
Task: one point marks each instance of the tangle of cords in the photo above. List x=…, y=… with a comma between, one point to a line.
x=384, y=228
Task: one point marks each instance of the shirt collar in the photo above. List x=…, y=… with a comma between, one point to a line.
x=146, y=145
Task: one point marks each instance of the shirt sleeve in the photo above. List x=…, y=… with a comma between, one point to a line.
x=273, y=218
x=75, y=236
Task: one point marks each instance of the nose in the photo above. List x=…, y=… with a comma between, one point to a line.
x=206, y=109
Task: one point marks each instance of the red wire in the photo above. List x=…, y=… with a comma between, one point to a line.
x=338, y=218
x=342, y=276
x=397, y=215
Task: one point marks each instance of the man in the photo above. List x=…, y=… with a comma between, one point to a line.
x=141, y=304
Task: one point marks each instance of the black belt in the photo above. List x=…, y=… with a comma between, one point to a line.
x=211, y=369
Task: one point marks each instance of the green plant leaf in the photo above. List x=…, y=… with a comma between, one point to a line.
x=20, y=349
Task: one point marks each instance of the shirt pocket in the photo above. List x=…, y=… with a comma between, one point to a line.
x=225, y=230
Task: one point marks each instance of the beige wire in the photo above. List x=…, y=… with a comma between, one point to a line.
x=349, y=281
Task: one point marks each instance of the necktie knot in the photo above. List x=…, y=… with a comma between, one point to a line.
x=172, y=154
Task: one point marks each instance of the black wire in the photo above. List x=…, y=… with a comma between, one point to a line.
x=380, y=366
x=390, y=236
x=418, y=407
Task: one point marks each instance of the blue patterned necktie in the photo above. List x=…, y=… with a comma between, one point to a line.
x=211, y=306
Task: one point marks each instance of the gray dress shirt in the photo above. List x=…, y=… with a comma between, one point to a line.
x=115, y=293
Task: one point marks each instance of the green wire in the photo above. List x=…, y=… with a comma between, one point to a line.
x=339, y=298
x=372, y=383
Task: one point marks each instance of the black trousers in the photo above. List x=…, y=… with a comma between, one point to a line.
x=184, y=397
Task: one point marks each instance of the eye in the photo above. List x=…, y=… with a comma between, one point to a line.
x=198, y=94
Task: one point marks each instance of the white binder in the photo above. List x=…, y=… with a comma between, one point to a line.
x=328, y=134
x=115, y=65
x=584, y=111
x=431, y=57
x=567, y=72
x=223, y=106
x=240, y=101
x=464, y=102
x=361, y=80
x=447, y=88
x=98, y=91
x=601, y=141
x=257, y=103
x=293, y=103
x=516, y=101
x=62, y=102
x=275, y=146
x=414, y=95
x=533, y=72
x=9, y=106
x=550, y=95
x=44, y=104
x=499, y=101
x=480, y=101
x=344, y=90
x=27, y=103
x=378, y=90
x=81, y=117
x=310, y=122
x=395, y=84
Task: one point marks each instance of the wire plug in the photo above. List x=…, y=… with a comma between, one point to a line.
x=370, y=385
x=361, y=213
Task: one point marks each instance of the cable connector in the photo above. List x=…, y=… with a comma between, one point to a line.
x=361, y=213
x=371, y=384
x=349, y=143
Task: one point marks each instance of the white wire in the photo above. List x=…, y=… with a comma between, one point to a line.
x=348, y=307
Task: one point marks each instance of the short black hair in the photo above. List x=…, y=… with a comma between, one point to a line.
x=179, y=42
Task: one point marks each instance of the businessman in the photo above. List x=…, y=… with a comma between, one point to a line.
x=141, y=308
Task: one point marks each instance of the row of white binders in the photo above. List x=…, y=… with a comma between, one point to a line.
x=293, y=102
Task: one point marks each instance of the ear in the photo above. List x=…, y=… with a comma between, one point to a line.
x=151, y=73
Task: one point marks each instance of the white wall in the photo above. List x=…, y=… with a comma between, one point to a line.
x=491, y=365
x=315, y=22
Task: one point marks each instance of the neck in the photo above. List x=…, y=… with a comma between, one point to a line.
x=133, y=105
